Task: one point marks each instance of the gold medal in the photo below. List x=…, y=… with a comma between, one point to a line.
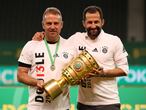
x=52, y=67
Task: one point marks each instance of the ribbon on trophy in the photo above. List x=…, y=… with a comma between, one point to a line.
x=71, y=74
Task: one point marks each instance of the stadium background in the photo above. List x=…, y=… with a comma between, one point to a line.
x=20, y=19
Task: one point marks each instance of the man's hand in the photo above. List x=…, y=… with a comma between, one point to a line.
x=40, y=84
x=38, y=36
x=96, y=73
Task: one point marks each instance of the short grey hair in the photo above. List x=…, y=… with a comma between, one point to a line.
x=52, y=10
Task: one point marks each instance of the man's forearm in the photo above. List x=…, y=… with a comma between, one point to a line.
x=23, y=77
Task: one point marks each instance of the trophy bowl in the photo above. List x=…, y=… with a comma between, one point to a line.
x=77, y=69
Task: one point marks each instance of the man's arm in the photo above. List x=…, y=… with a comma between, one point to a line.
x=107, y=73
x=121, y=70
x=23, y=77
x=114, y=72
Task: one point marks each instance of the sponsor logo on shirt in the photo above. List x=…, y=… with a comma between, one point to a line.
x=56, y=55
x=95, y=50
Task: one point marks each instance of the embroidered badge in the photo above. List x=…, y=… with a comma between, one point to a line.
x=65, y=55
x=104, y=49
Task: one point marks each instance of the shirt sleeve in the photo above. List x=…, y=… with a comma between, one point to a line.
x=26, y=54
x=120, y=56
x=120, y=51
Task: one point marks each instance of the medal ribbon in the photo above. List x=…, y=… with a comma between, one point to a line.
x=49, y=51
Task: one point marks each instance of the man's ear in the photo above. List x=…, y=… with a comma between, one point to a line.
x=42, y=25
x=83, y=23
x=62, y=24
x=103, y=22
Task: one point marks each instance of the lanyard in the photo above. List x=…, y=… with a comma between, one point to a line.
x=50, y=55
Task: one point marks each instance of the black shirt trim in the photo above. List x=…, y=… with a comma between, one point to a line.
x=24, y=65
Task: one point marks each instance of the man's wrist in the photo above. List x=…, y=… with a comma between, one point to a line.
x=103, y=74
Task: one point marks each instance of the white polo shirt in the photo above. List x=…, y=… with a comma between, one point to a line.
x=35, y=54
x=109, y=52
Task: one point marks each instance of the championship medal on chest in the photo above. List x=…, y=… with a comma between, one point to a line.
x=52, y=60
x=52, y=67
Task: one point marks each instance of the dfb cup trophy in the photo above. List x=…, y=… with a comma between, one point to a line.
x=71, y=74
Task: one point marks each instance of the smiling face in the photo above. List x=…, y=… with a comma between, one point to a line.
x=52, y=24
x=93, y=24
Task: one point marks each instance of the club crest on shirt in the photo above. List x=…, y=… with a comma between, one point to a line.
x=104, y=49
x=65, y=55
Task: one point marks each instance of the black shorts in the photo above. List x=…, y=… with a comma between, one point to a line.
x=81, y=106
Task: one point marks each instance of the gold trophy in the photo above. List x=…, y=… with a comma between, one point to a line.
x=71, y=74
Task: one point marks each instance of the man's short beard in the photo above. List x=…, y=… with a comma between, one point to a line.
x=95, y=34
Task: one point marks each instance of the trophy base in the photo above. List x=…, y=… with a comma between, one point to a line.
x=54, y=88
